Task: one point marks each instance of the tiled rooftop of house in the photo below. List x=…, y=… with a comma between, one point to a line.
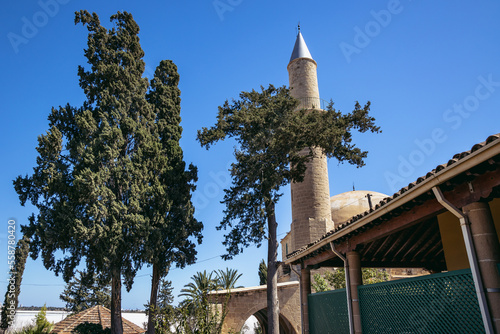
x=97, y=315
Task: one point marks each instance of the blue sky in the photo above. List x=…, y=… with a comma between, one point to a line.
x=431, y=70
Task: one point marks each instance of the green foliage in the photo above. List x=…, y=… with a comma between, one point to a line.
x=40, y=326
x=319, y=283
x=335, y=279
x=168, y=208
x=199, y=313
x=257, y=328
x=110, y=173
x=270, y=136
x=227, y=279
x=167, y=320
x=85, y=291
x=91, y=328
x=164, y=315
x=262, y=272
x=11, y=296
x=41, y=319
x=202, y=283
x=90, y=175
x=374, y=275
x=165, y=295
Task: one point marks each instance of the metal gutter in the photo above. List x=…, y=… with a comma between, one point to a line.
x=471, y=255
x=483, y=154
x=347, y=288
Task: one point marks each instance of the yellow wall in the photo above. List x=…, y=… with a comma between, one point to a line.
x=495, y=212
x=453, y=242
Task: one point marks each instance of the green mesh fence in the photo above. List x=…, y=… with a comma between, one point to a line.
x=439, y=303
x=328, y=312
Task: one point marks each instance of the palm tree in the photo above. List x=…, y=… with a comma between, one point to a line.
x=201, y=314
x=202, y=283
x=227, y=279
x=198, y=312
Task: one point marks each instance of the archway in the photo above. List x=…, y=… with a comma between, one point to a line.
x=285, y=325
x=245, y=302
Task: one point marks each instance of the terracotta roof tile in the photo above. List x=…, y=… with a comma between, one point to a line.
x=97, y=315
x=456, y=158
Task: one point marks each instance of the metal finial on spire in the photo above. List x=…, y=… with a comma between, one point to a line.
x=298, y=26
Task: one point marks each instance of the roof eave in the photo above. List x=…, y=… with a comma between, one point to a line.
x=481, y=155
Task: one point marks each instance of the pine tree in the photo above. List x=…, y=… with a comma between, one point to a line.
x=270, y=136
x=85, y=291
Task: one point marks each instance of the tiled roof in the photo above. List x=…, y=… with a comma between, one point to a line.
x=96, y=315
x=456, y=158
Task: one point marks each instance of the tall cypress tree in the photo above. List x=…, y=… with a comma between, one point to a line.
x=102, y=169
x=12, y=295
x=262, y=272
x=169, y=209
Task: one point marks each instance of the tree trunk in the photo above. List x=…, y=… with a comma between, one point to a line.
x=155, y=281
x=273, y=308
x=116, y=302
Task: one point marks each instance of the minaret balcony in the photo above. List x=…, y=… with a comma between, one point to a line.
x=312, y=103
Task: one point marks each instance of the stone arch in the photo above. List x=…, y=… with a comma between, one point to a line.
x=236, y=317
x=285, y=326
x=245, y=302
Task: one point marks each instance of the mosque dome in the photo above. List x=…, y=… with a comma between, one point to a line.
x=349, y=204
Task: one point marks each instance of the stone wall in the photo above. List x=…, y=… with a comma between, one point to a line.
x=311, y=212
x=245, y=302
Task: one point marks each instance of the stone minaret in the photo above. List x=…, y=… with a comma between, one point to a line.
x=311, y=213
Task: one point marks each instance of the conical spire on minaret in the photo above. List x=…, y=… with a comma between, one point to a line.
x=300, y=49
